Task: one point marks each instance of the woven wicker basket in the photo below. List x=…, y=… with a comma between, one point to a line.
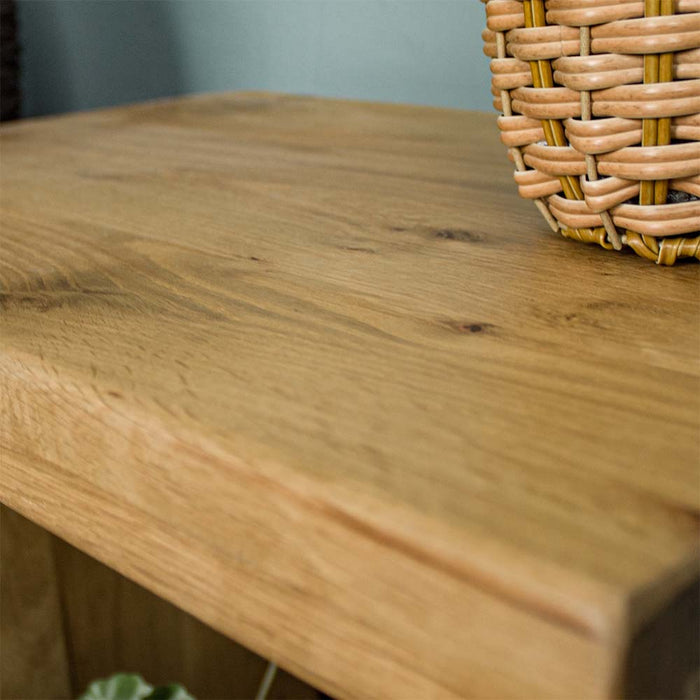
x=600, y=109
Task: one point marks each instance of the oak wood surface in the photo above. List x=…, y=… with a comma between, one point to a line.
x=113, y=624
x=67, y=620
x=313, y=372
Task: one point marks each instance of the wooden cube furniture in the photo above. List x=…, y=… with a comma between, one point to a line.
x=292, y=365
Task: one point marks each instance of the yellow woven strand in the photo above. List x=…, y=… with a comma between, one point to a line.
x=663, y=136
x=652, y=8
x=655, y=132
x=543, y=77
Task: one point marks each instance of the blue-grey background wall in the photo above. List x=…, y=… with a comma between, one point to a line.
x=81, y=54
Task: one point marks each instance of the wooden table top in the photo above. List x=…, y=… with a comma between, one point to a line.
x=312, y=371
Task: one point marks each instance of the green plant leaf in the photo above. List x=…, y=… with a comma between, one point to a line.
x=170, y=692
x=121, y=686
x=129, y=686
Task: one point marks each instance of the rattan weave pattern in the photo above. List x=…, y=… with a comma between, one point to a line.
x=600, y=110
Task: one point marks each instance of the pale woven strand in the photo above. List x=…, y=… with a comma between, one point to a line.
x=609, y=112
x=591, y=169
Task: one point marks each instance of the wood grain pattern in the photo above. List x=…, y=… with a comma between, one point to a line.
x=67, y=620
x=113, y=624
x=311, y=370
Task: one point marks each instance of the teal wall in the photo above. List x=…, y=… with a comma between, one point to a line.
x=80, y=54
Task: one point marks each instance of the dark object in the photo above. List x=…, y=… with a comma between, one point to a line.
x=664, y=656
x=9, y=62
